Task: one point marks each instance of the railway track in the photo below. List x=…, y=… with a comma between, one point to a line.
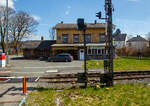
x=95, y=77
x=72, y=78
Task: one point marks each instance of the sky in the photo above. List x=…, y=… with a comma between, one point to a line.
x=131, y=16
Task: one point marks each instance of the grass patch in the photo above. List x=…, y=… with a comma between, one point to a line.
x=123, y=64
x=119, y=95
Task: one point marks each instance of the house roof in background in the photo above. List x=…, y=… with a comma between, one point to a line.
x=74, y=26
x=38, y=44
x=120, y=37
x=138, y=38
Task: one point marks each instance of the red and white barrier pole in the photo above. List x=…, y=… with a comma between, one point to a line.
x=2, y=60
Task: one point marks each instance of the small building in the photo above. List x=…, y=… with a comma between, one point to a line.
x=120, y=41
x=138, y=42
x=70, y=40
x=37, y=48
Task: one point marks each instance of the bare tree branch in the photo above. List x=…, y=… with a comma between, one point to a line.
x=52, y=33
x=3, y=24
x=21, y=26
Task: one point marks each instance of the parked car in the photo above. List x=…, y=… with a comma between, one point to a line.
x=63, y=57
x=42, y=58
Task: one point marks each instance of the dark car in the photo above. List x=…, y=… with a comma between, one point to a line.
x=63, y=57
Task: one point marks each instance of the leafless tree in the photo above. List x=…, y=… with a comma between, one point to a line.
x=117, y=32
x=21, y=26
x=3, y=24
x=52, y=33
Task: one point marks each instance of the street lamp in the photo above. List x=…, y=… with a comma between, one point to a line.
x=6, y=32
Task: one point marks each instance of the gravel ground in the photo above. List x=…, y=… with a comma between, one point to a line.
x=23, y=67
x=11, y=93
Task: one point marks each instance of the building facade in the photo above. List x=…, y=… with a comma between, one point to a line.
x=70, y=40
x=138, y=42
x=37, y=48
x=120, y=41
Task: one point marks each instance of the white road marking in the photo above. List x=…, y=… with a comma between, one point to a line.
x=37, y=79
x=52, y=71
x=28, y=72
x=54, y=67
x=12, y=77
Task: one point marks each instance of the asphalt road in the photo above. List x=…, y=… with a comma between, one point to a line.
x=23, y=67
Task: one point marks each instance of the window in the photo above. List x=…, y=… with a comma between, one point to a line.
x=96, y=51
x=65, y=38
x=130, y=44
x=99, y=51
x=89, y=51
x=76, y=38
x=103, y=51
x=88, y=38
x=102, y=38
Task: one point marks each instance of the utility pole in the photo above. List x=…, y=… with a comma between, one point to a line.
x=6, y=32
x=107, y=78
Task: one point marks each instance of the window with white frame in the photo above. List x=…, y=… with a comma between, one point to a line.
x=99, y=51
x=95, y=51
x=89, y=51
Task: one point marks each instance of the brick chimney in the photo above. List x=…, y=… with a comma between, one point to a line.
x=95, y=21
x=42, y=38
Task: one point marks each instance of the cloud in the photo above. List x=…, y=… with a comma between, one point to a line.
x=69, y=7
x=10, y=3
x=34, y=37
x=37, y=18
x=67, y=12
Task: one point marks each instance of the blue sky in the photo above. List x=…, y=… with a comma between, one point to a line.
x=131, y=16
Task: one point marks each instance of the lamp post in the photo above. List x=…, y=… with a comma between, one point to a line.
x=6, y=32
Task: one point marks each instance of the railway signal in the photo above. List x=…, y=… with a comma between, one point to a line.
x=108, y=66
x=82, y=26
x=99, y=15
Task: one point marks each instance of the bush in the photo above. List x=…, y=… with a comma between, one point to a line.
x=146, y=51
x=122, y=51
x=131, y=51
